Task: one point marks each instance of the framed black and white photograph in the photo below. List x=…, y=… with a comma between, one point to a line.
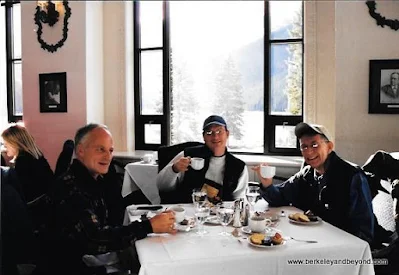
x=384, y=87
x=53, y=92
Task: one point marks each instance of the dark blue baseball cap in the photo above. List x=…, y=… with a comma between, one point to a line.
x=218, y=120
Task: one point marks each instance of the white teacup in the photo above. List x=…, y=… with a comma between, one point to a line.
x=197, y=163
x=258, y=223
x=147, y=158
x=267, y=171
x=180, y=213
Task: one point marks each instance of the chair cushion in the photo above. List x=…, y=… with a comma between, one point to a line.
x=383, y=207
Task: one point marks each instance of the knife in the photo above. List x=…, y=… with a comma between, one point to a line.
x=149, y=207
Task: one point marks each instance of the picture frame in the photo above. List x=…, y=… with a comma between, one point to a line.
x=384, y=86
x=53, y=92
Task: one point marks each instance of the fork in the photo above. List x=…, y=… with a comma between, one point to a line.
x=298, y=240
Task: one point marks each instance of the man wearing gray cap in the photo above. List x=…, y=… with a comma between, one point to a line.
x=223, y=176
x=329, y=186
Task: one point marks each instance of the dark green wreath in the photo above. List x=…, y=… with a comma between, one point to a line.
x=381, y=20
x=51, y=17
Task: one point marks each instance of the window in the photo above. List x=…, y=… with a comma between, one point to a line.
x=13, y=69
x=242, y=60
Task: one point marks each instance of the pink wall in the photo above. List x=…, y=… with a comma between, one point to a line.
x=50, y=130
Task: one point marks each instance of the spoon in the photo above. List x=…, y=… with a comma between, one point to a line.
x=298, y=240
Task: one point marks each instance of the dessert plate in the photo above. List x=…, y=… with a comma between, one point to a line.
x=268, y=230
x=305, y=223
x=212, y=220
x=186, y=227
x=267, y=246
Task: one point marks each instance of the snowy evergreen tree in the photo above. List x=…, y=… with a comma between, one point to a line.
x=294, y=89
x=184, y=106
x=229, y=101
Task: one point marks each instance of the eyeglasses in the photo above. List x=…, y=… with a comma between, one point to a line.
x=313, y=146
x=217, y=132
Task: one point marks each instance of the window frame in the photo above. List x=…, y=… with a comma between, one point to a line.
x=10, y=59
x=270, y=121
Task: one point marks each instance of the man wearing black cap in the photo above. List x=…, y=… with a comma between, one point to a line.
x=329, y=186
x=223, y=176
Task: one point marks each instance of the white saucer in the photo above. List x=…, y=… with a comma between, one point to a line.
x=268, y=231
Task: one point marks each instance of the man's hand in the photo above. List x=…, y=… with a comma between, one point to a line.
x=265, y=182
x=181, y=165
x=163, y=223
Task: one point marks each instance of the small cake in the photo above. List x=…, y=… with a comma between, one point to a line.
x=277, y=238
x=312, y=217
x=267, y=241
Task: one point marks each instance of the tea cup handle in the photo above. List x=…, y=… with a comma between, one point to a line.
x=268, y=222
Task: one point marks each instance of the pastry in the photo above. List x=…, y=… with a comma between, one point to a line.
x=257, y=238
x=296, y=216
x=303, y=218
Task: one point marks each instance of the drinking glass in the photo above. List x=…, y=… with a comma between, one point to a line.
x=225, y=215
x=252, y=194
x=199, y=197
x=201, y=213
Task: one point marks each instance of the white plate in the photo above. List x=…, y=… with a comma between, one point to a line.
x=269, y=215
x=268, y=231
x=186, y=228
x=267, y=246
x=272, y=217
x=305, y=223
x=212, y=220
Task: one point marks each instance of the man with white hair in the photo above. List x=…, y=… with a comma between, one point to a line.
x=329, y=186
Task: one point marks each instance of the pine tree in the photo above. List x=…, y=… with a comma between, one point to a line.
x=294, y=89
x=229, y=102
x=184, y=106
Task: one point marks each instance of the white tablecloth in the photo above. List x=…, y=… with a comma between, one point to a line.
x=187, y=253
x=141, y=176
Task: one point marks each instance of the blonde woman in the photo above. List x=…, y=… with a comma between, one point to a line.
x=33, y=173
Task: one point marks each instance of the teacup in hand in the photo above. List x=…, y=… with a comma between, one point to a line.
x=180, y=213
x=258, y=223
x=197, y=163
x=147, y=158
x=267, y=171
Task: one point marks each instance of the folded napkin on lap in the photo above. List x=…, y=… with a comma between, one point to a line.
x=108, y=260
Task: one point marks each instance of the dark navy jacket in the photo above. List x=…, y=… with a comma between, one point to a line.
x=341, y=196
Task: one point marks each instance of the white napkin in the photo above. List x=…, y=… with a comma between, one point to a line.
x=107, y=260
x=135, y=214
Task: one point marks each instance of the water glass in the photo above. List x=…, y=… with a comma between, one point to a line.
x=252, y=194
x=225, y=215
x=199, y=197
x=202, y=212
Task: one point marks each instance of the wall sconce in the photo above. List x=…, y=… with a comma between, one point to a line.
x=48, y=12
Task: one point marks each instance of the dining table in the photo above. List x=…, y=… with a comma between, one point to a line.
x=186, y=252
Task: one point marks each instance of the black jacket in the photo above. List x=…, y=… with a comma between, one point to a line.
x=196, y=178
x=34, y=175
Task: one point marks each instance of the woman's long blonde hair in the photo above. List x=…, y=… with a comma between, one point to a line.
x=19, y=137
